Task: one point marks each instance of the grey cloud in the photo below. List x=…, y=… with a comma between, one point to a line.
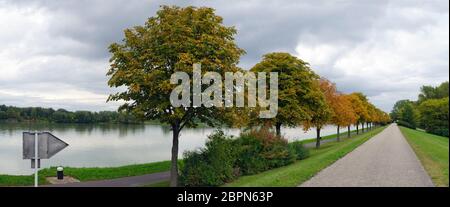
x=79, y=33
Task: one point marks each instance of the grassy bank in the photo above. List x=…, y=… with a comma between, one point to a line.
x=331, y=136
x=86, y=174
x=300, y=171
x=432, y=151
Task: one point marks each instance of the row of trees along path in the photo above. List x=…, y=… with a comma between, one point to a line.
x=176, y=38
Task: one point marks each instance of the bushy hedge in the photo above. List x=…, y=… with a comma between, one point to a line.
x=260, y=150
x=434, y=116
x=224, y=158
x=211, y=166
x=405, y=124
x=300, y=151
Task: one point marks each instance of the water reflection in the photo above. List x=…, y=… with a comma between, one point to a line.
x=82, y=129
x=101, y=145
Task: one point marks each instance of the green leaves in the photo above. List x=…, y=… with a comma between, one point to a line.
x=434, y=114
x=429, y=112
x=171, y=41
x=295, y=88
x=176, y=38
x=430, y=92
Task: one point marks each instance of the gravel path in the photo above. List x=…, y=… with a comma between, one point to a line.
x=386, y=160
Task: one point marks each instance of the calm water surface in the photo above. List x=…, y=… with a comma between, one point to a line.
x=110, y=145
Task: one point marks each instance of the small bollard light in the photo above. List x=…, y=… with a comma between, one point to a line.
x=60, y=173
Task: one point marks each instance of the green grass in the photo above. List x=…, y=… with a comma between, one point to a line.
x=432, y=151
x=301, y=171
x=165, y=183
x=331, y=136
x=86, y=174
x=16, y=180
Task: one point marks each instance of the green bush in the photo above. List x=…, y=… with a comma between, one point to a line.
x=223, y=158
x=211, y=166
x=434, y=116
x=405, y=124
x=300, y=151
x=195, y=170
x=249, y=159
x=260, y=150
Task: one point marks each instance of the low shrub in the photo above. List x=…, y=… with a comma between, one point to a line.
x=300, y=151
x=405, y=124
x=249, y=159
x=438, y=131
x=212, y=165
x=260, y=150
x=224, y=158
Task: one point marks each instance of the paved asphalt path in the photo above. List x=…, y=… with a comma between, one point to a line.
x=385, y=160
x=134, y=181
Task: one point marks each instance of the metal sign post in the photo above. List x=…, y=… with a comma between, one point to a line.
x=36, y=169
x=40, y=145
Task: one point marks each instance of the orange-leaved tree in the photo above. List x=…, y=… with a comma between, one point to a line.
x=344, y=115
x=364, y=116
x=321, y=111
x=340, y=105
x=360, y=109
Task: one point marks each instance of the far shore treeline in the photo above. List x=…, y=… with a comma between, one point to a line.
x=40, y=114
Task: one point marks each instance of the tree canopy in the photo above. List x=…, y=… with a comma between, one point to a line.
x=172, y=41
x=430, y=92
x=398, y=107
x=342, y=113
x=434, y=116
x=297, y=91
x=340, y=104
x=359, y=109
x=429, y=112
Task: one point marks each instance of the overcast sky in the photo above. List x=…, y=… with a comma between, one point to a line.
x=54, y=53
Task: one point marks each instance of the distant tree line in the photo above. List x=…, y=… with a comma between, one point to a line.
x=429, y=112
x=18, y=114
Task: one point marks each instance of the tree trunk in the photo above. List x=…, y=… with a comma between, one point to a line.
x=348, y=131
x=338, y=134
x=278, y=128
x=362, y=127
x=318, y=137
x=174, y=160
x=367, y=126
x=357, y=128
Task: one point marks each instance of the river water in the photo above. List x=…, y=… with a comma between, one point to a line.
x=108, y=145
